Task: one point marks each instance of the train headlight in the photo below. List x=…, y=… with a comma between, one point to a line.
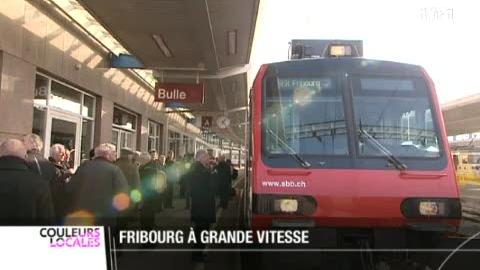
x=340, y=50
x=431, y=207
x=286, y=205
x=278, y=204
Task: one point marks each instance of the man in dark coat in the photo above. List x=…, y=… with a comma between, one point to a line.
x=35, y=160
x=172, y=176
x=100, y=187
x=153, y=185
x=224, y=181
x=185, y=167
x=203, y=197
x=128, y=164
x=24, y=196
x=58, y=188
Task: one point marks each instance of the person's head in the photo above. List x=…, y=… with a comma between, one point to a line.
x=33, y=142
x=13, y=147
x=67, y=155
x=136, y=157
x=58, y=152
x=107, y=151
x=144, y=158
x=170, y=155
x=229, y=161
x=221, y=158
x=202, y=157
x=153, y=154
x=161, y=159
x=126, y=154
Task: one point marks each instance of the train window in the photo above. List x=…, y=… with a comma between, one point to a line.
x=397, y=113
x=306, y=115
x=386, y=84
x=473, y=159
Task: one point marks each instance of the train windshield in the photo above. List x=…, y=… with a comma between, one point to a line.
x=354, y=121
x=306, y=115
x=397, y=113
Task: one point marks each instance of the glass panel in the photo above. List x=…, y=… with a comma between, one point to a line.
x=306, y=115
x=387, y=84
x=124, y=119
x=115, y=138
x=39, y=122
x=87, y=138
x=131, y=140
x=151, y=143
x=65, y=98
x=88, y=106
x=185, y=145
x=123, y=140
x=174, y=142
x=41, y=90
x=474, y=159
x=64, y=132
x=398, y=119
x=151, y=128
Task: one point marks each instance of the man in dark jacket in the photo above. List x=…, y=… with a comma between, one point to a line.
x=203, y=197
x=61, y=199
x=128, y=165
x=24, y=196
x=172, y=176
x=35, y=160
x=185, y=167
x=224, y=181
x=100, y=187
x=153, y=185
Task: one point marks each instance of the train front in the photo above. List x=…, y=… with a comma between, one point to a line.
x=353, y=148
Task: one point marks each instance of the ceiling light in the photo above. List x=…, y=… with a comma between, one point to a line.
x=232, y=42
x=162, y=45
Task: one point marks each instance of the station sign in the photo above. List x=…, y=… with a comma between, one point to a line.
x=179, y=92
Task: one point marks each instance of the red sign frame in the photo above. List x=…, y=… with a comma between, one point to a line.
x=180, y=92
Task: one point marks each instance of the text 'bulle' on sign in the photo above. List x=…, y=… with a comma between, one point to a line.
x=178, y=92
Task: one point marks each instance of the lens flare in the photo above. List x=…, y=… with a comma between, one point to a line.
x=303, y=96
x=121, y=201
x=135, y=196
x=80, y=218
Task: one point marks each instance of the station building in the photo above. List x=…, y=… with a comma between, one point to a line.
x=55, y=82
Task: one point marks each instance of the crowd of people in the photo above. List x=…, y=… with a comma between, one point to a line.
x=105, y=190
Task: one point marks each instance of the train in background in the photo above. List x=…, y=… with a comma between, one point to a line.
x=353, y=147
x=466, y=159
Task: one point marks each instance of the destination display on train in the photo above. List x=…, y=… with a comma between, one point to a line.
x=311, y=83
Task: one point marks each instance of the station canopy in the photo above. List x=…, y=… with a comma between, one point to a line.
x=462, y=116
x=182, y=41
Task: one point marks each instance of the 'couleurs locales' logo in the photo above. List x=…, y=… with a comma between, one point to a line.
x=72, y=237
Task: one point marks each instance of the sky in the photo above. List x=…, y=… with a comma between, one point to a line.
x=442, y=35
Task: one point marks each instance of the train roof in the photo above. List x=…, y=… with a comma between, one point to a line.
x=345, y=65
